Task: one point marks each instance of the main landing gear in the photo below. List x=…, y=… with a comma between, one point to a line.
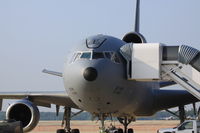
x=181, y=114
x=124, y=121
x=66, y=122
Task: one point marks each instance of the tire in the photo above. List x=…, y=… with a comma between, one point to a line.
x=60, y=131
x=75, y=131
x=120, y=130
x=130, y=130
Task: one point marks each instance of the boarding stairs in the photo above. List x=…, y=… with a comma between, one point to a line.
x=158, y=62
x=173, y=72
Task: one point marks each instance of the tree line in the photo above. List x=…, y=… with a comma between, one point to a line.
x=88, y=116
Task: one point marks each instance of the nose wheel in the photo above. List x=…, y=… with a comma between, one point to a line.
x=125, y=122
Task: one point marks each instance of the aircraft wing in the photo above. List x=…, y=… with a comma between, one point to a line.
x=44, y=99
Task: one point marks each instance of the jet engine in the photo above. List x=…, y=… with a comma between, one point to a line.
x=24, y=111
x=134, y=37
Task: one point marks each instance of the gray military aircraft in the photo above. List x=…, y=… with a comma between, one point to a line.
x=95, y=79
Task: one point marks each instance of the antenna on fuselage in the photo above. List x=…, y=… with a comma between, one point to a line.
x=137, y=16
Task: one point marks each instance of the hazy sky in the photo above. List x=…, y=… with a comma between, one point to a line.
x=37, y=34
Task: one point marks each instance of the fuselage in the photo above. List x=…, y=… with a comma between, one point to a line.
x=95, y=79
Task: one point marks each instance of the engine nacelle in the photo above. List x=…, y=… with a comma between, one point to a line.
x=134, y=37
x=26, y=112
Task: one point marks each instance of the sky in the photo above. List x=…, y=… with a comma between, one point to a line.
x=38, y=34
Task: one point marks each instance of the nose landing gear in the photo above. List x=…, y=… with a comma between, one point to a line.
x=124, y=121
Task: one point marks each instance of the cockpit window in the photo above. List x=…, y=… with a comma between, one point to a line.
x=89, y=55
x=108, y=55
x=77, y=56
x=112, y=56
x=97, y=55
x=115, y=58
x=86, y=55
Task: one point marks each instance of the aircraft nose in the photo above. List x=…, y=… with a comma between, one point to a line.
x=90, y=74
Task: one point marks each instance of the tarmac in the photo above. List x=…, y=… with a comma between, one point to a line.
x=150, y=126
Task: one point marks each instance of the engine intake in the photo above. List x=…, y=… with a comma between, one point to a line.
x=134, y=37
x=26, y=112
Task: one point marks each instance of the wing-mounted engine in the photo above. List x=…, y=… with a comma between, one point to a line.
x=24, y=111
x=134, y=37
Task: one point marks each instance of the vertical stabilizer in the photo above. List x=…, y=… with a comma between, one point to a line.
x=137, y=16
x=135, y=36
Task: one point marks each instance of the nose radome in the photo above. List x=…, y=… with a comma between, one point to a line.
x=90, y=74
